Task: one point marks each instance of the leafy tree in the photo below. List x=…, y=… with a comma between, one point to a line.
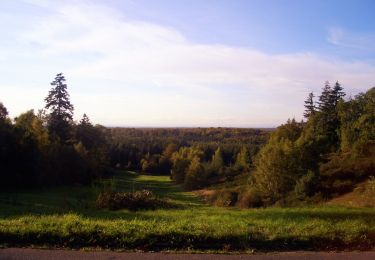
x=291, y=130
x=243, y=161
x=278, y=164
x=217, y=162
x=195, y=175
x=357, y=120
x=61, y=116
x=277, y=169
x=306, y=185
x=8, y=149
x=169, y=150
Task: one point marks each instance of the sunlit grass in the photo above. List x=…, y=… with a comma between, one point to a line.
x=68, y=217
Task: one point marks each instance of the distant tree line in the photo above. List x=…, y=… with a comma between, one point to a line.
x=218, y=153
x=48, y=148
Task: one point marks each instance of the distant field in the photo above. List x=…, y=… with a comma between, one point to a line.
x=67, y=217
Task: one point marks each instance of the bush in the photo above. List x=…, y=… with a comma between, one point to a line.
x=143, y=199
x=306, y=185
x=226, y=198
x=368, y=189
x=250, y=199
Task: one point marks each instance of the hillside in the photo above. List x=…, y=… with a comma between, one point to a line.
x=68, y=217
x=362, y=196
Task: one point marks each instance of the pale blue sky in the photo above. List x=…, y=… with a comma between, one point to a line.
x=187, y=62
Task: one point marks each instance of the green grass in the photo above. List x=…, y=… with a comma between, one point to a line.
x=67, y=217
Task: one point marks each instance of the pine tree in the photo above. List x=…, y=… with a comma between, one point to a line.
x=85, y=121
x=87, y=134
x=3, y=112
x=217, y=162
x=61, y=116
x=337, y=93
x=309, y=105
x=325, y=104
x=329, y=124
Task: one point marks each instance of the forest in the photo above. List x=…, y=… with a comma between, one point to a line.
x=48, y=148
x=321, y=157
x=70, y=184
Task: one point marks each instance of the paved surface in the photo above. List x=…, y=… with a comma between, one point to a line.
x=41, y=254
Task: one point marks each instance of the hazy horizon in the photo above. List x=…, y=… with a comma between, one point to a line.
x=186, y=127
x=167, y=63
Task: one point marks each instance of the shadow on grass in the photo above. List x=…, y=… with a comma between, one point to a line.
x=81, y=200
x=331, y=214
x=184, y=241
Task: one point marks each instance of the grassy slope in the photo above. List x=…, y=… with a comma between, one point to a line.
x=67, y=217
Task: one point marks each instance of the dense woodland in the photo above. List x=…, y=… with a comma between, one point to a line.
x=164, y=151
x=324, y=156
x=49, y=148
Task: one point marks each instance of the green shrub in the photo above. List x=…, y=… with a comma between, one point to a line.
x=306, y=185
x=143, y=199
x=250, y=199
x=226, y=198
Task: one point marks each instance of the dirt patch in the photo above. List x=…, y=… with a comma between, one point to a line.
x=360, y=197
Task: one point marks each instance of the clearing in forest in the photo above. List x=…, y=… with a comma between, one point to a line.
x=68, y=217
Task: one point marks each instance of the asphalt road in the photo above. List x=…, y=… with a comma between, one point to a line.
x=41, y=254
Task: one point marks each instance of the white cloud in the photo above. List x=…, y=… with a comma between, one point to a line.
x=354, y=40
x=190, y=83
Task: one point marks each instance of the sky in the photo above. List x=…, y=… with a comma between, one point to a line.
x=186, y=63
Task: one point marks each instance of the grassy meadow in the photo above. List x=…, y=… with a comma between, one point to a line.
x=68, y=217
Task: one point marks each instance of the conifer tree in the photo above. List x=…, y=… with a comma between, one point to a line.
x=325, y=104
x=61, y=116
x=195, y=175
x=337, y=93
x=85, y=121
x=87, y=134
x=310, y=108
x=242, y=160
x=217, y=162
x=3, y=112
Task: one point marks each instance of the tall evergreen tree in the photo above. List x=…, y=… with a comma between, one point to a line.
x=337, y=93
x=217, y=162
x=3, y=111
x=61, y=116
x=85, y=121
x=310, y=108
x=325, y=104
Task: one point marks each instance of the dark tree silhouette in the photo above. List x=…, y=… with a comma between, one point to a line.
x=85, y=132
x=85, y=121
x=61, y=116
x=3, y=112
x=309, y=105
x=337, y=93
